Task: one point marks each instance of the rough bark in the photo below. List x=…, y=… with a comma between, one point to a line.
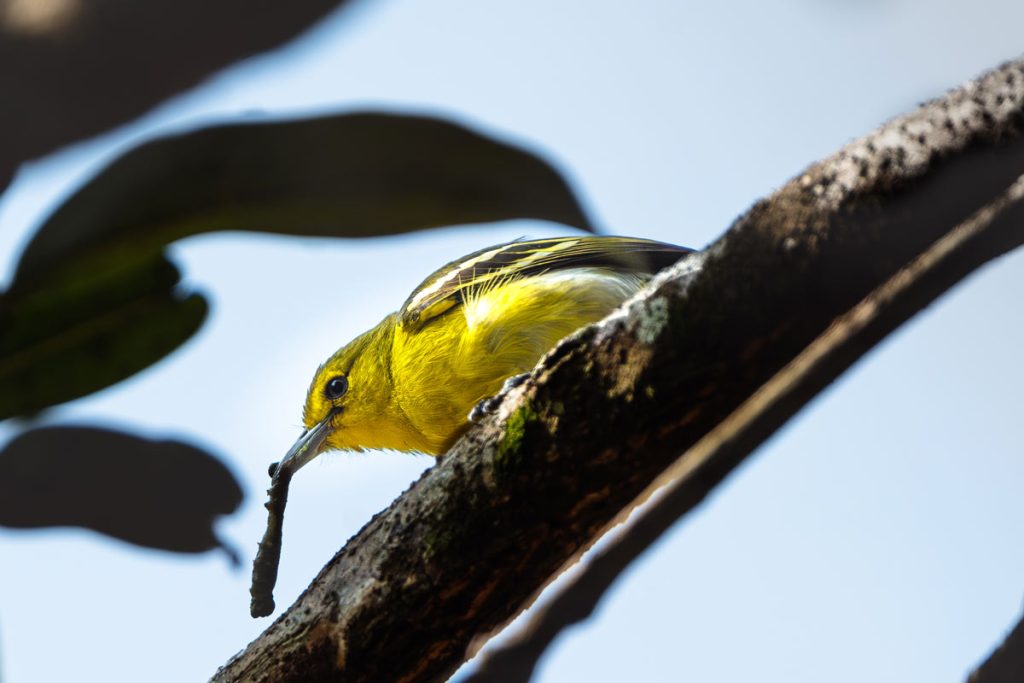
x=471, y=543
x=990, y=232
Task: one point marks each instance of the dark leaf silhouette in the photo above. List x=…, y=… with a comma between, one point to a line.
x=79, y=335
x=158, y=494
x=93, y=301
x=83, y=67
x=348, y=175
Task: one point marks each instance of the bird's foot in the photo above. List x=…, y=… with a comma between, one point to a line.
x=488, y=405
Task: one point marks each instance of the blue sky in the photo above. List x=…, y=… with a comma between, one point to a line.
x=875, y=538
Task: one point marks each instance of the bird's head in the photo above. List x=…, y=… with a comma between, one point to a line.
x=348, y=395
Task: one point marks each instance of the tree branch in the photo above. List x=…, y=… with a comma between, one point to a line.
x=991, y=232
x=526, y=491
x=1006, y=663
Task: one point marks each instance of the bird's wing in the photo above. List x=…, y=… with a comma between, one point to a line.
x=454, y=283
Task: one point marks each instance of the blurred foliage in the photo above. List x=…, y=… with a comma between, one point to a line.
x=74, y=336
x=348, y=175
x=72, y=69
x=95, y=299
x=158, y=494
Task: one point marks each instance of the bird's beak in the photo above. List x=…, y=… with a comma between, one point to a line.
x=308, y=446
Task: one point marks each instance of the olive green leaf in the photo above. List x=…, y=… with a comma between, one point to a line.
x=79, y=335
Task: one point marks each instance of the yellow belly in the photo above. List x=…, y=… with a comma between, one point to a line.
x=443, y=369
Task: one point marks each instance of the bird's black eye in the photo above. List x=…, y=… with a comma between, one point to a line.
x=336, y=387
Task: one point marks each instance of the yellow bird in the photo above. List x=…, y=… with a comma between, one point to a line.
x=409, y=383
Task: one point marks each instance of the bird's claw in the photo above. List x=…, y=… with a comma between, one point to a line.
x=486, y=406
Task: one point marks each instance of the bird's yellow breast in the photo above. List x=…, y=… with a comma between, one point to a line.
x=440, y=370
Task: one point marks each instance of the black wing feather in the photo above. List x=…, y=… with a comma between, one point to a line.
x=450, y=285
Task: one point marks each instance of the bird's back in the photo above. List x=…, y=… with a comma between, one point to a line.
x=493, y=314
